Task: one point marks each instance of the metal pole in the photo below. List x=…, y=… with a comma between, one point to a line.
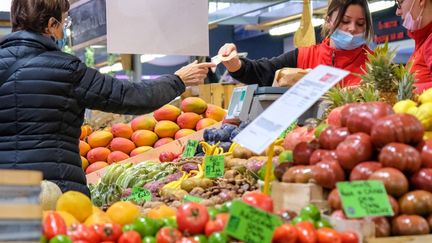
x=137, y=69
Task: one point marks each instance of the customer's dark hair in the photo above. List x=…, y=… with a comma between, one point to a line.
x=33, y=15
x=341, y=6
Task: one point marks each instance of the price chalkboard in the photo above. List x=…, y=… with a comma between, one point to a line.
x=190, y=149
x=214, y=166
x=364, y=198
x=250, y=224
x=88, y=21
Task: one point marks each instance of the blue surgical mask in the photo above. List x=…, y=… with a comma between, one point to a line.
x=62, y=42
x=346, y=41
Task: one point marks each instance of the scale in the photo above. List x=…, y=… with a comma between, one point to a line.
x=248, y=102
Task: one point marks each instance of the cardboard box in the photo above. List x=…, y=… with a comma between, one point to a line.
x=295, y=196
x=365, y=229
x=402, y=239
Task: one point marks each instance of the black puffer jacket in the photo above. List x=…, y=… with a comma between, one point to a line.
x=42, y=106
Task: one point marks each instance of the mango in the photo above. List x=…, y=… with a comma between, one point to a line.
x=84, y=163
x=96, y=166
x=107, y=129
x=83, y=148
x=98, y=154
x=188, y=120
x=122, y=144
x=116, y=156
x=99, y=139
x=162, y=141
x=144, y=138
x=143, y=123
x=166, y=129
x=205, y=122
x=193, y=104
x=183, y=132
x=167, y=112
x=121, y=130
x=85, y=131
x=215, y=112
x=140, y=150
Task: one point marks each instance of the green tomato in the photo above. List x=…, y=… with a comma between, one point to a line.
x=128, y=227
x=200, y=238
x=149, y=239
x=301, y=218
x=226, y=207
x=286, y=156
x=322, y=223
x=311, y=211
x=159, y=223
x=213, y=212
x=146, y=226
x=218, y=237
x=262, y=173
x=170, y=222
x=319, y=129
x=60, y=239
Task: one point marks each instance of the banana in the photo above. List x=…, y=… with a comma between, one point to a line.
x=109, y=172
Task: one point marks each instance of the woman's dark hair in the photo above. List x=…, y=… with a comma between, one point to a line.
x=33, y=15
x=341, y=6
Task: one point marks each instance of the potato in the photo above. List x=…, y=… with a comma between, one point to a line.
x=205, y=183
x=230, y=174
x=242, y=153
x=234, y=162
x=179, y=194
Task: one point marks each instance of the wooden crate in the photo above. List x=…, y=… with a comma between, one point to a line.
x=217, y=94
x=364, y=229
x=294, y=196
x=402, y=239
x=153, y=154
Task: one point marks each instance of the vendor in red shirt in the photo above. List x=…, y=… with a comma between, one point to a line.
x=347, y=30
x=417, y=19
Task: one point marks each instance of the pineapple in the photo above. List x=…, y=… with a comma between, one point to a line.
x=406, y=84
x=380, y=73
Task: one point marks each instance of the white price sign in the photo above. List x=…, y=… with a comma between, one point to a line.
x=258, y=135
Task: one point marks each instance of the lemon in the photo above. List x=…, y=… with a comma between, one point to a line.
x=75, y=203
x=426, y=97
x=403, y=106
x=123, y=212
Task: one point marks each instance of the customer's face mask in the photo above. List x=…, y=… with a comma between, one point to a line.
x=346, y=41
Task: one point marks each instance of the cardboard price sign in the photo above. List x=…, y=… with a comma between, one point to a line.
x=139, y=195
x=250, y=224
x=214, y=166
x=364, y=198
x=190, y=149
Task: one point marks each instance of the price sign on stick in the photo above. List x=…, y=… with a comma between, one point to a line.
x=214, y=166
x=364, y=198
x=262, y=131
x=190, y=149
x=140, y=195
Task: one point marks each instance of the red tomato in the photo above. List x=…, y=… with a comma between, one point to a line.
x=168, y=235
x=259, y=200
x=130, y=237
x=327, y=235
x=349, y=237
x=186, y=240
x=82, y=232
x=53, y=224
x=216, y=225
x=306, y=232
x=285, y=233
x=108, y=232
x=192, y=218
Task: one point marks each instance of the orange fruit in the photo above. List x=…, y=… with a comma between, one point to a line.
x=123, y=212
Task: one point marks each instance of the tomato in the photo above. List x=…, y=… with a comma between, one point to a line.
x=410, y=225
x=169, y=222
x=130, y=237
x=192, y=218
x=400, y=156
x=216, y=225
x=417, y=202
x=212, y=212
x=145, y=226
x=128, y=227
x=331, y=137
x=82, y=232
x=60, y=239
x=298, y=174
x=200, y=238
x=218, y=237
x=327, y=235
x=149, y=239
x=328, y=173
x=395, y=182
x=322, y=223
x=186, y=240
x=306, y=232
x=259, y=200
x=303, y=151
x=349, y=237
x=168, y=235
x=311, y=211
x=108, y=232
x=226, y=207
x=285, y=233
x=53, y=224
x=354, y=149
x=363, y=170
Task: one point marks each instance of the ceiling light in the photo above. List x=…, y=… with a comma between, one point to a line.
x=380, y=5
x=292, y=27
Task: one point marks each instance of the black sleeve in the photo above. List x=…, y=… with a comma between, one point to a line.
x=103, y=92
x=262, y=71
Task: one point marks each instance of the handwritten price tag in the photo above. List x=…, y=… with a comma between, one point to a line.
x=139, y=195
x=190, y=149
x=214, y=166
x=364, y=198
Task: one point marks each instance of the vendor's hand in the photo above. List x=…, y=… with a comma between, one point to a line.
x=194, y=73
x=228, y=55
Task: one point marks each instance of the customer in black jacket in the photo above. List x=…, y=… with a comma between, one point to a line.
x=45, y=91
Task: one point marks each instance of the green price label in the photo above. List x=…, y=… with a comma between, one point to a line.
x=190, y=149
x=364, y=198
x=139, y=195
x=214, y=166
x=252, y=225
x=189, y=198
